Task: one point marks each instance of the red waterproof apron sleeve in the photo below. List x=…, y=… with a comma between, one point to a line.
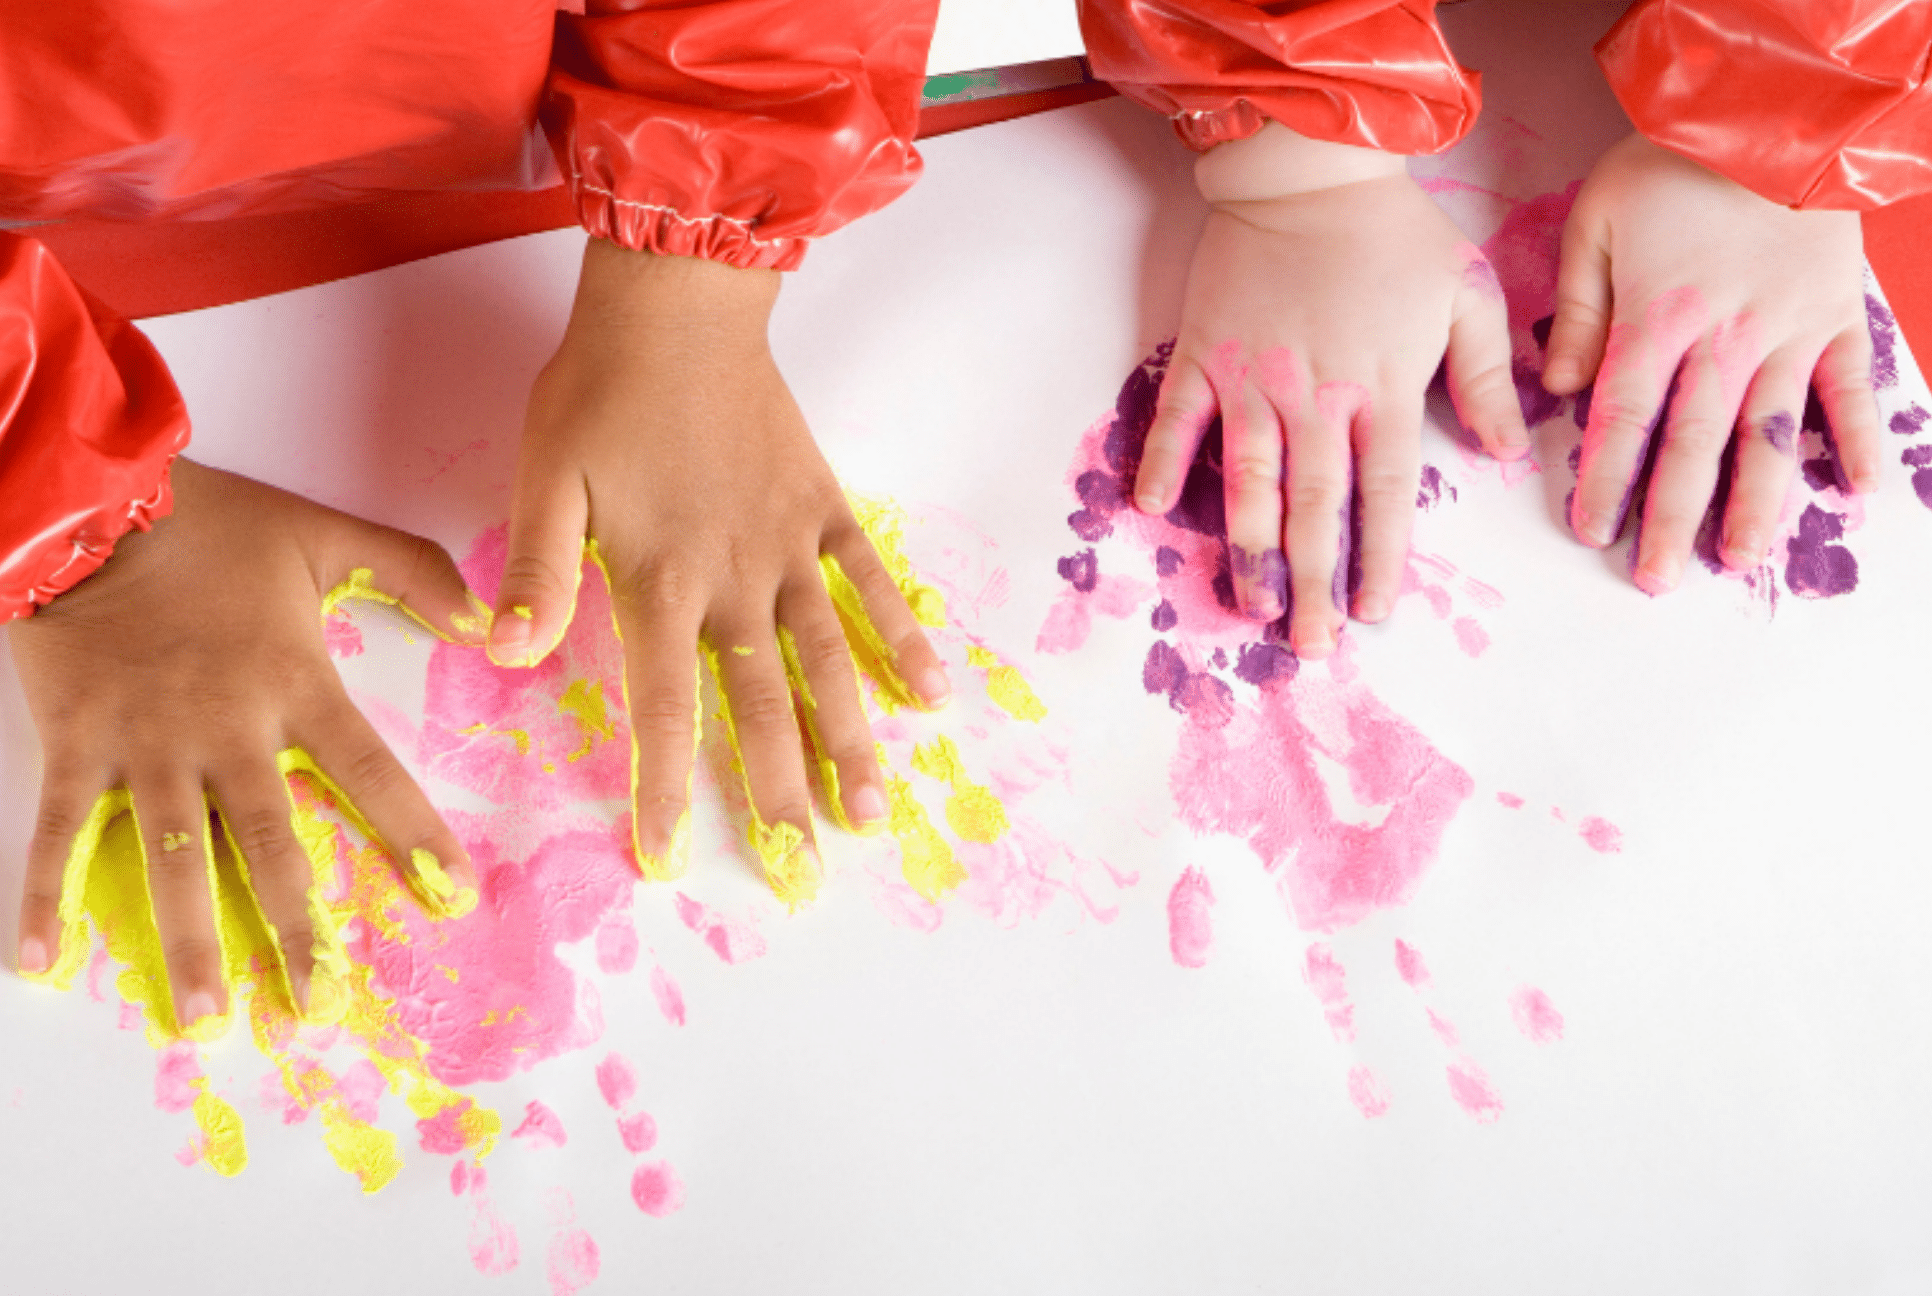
x=1811, y=103
x=1375, y=73
x=736, y=129
x=89, y=422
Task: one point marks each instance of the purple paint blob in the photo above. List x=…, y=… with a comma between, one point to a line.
x=1090, y=526
x=1922, y=486
x=1911, y=420
x=1261, y=663
x=1815, y=566
x=1580, y=407
x=1917, y=457
x=1781, y=430
x=1082, y=570
x=1821, y=474
x=1101, y=492
x=1884, y=330
x=1540, y=330
x=1163, y=671
x=1431, y=486
x=1165, y=618
x=1204, y=700
x=1167, y=561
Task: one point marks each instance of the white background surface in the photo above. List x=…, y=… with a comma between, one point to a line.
x=1739, y=1100
x=974, y=34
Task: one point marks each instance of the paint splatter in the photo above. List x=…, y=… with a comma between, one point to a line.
x=1535, y=1016
x=616, y=1080
x=638, y=1132
x=1190, y=919
x=1329, y=980
x=1509, y=800
x=541, y=1128
x=670, y=999
x=734, y=942
x=573, y=1262
x=1410, y=967
x=616, y=945
x=1470, y=637
x=1472, y=1092
x=656, y=1189
x=1367, y=1092
x=1602, y=836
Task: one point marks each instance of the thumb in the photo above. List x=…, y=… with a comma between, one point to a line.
x=385, y=565
x=1482, y=381
x=540, y=574
x=1583, y=302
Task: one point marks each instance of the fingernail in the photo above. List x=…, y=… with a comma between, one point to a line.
x=33, y=956
x=1150, y=502
x=1313, y=644
x=1371, y=607
x=1591, y=530
x=869, y=805
x=1865, y=482
x=1743, y=550
x=200, y=1007
x=298, y=985
x=934, y=686
x=510, y=641
x=1559, y=371
x=1659, y=576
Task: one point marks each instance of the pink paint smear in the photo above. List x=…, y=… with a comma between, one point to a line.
x=1190, y=919
x=656, y=1189
x=1535, y=1016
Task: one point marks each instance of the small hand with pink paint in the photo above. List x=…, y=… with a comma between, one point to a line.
x=180, y=671
x=1691, y=301
x=1324, y=293
x=663, y=429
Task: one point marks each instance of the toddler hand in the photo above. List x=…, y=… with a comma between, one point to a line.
x=663, y=430
x=1313, y=324
x=181, y=670
x=1671, y=272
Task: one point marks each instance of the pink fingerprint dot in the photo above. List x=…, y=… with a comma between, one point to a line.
x=177, y=1078
x=1473, y=1092
x=574, y=1262
x=670, y=999
x=1603, y=837
x=656, y=1189
x=1190, y=919
x=541, y=1127
x=1510, y=799
x=1472, y=638
x=1536, y=1016
x=639, y=1132
x=1367, y=1093
x=1410, y=967
x=616, y=1080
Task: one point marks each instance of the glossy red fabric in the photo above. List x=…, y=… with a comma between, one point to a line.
x=730, y=129
x=89, y=421
x=1811, y=103
x=767, y=122
x=1375, y=73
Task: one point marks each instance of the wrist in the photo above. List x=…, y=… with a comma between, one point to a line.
x=657, y=299
x=1276, y=162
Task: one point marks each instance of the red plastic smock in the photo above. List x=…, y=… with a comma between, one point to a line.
x=735, y=130
x=1375, y=73
x=1811, y=103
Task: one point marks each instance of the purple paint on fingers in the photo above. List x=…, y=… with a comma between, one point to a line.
x=1262, y=576
x=1781, y=430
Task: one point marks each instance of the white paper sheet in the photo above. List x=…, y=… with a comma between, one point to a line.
x=1034, y=1095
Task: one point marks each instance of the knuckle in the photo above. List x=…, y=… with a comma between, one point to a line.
x=190, y=952
x=58, y=820
x=261, y=835
x=822, y=653
x=1252, y=474
x=762, y=708
x=524, y=571
x=372, y=772
x=1315, y=494
x=297, y=939
x=661, y=713
x=1699, y=436
x=664, y=590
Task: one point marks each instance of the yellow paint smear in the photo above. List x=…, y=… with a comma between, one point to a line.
x=884, y=524
x=223, y=1146
x=972, y=811
x=361, y=585
x=1006, y=686
x=925, y=860
x=363, y=1150
x=583, y=702
x=828, y=770
x=790, y=870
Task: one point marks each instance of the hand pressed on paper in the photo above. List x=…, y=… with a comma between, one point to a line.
x=181, y=670
x=663, y=430
x=1674, y=274
x=1313, y=324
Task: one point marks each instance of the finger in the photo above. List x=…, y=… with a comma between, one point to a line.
x=1181, y=418
x=389, y=566
x=1481, y=377
x=1625, y=410
x=659, y=626
x=67, y=830
x=1767, y=456
x=882, y=623
x=1319, y=468
x=1581, y=330
x=389, y=805
x=252, y=798
x=1844, y=382
x=1697, y=430
x=1388, y=472
x=540, y=575
x=172, y=818
x=1251, y=467
x=764, y=733
x=820, y=668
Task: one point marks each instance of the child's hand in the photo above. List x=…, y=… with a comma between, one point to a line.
x=1670, y=270
x=180, y=670
x=1323, y=294
x=663, y=429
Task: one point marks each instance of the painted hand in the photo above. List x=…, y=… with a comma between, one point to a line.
x=663, y=430
x=181, y=670
x=1673, y=274
x=1313, y=324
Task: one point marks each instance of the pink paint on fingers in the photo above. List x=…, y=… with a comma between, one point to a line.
x=616, y=1080
x=340, y=635
x=638, y=1131
x=1279, y=374
x=1536, y=1016
x=1473, y=1092
x=1329, y=980
x=1603, y=837
x=541, y=1127
x=670, y=999
x=1190, y=919
x=734, y=942
x=656, y=1189
x=1366, y=1091
x=1410, y=967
